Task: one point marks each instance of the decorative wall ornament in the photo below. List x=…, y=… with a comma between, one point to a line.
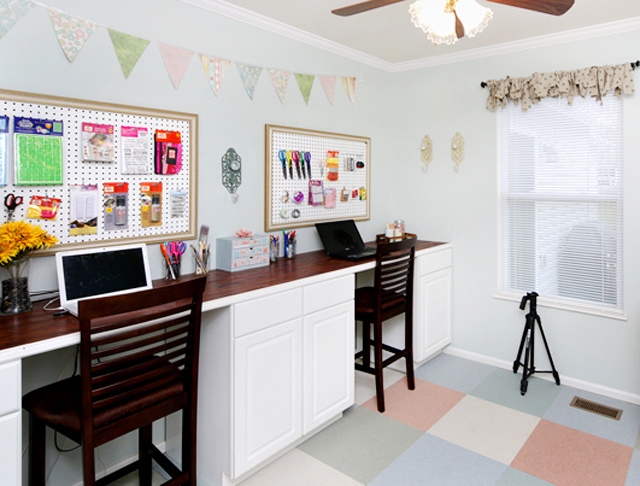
x=426, y=152
x=232, y=173
x=457, y=150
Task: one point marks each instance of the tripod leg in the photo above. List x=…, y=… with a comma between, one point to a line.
x=527, y=366
x=517, y=362
x=555, y=374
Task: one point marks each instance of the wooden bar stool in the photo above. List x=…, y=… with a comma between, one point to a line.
x=391, y=295
x=138, y=364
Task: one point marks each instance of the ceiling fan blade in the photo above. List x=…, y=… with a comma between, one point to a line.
x=362, y=7
x=553, y=7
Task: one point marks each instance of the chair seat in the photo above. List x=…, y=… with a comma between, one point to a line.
x=59, y=404
x=365, y=302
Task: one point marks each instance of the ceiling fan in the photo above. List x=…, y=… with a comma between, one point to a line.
x=553, y=7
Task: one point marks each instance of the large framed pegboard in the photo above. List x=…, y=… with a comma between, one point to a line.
x=178, y=212
x=336, y=188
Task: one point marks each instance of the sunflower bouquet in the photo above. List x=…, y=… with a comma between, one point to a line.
x=18, y=240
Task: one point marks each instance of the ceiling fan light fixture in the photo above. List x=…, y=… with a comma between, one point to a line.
x=437, y=18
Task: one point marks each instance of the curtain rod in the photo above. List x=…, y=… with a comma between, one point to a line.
x=634, y=65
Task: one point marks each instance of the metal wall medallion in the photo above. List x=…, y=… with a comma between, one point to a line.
x=232, y=172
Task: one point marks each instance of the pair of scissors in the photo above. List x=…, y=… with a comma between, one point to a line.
x=307, y=158
x=282, y=155
x=295, y=155
x=289, y=162
x=11, y=202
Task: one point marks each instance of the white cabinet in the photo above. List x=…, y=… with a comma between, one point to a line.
x=10, y=423
x=268, y=396
x=432, y=304
x=328, y=381
x=292, y=366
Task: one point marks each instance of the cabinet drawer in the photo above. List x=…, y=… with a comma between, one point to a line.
x=327, y=294
x=10, y=385
x=435, y=261
x=266, y=311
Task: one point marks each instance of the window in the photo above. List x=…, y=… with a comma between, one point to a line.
x=560, y=203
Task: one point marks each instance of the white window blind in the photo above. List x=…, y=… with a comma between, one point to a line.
x=560, y=202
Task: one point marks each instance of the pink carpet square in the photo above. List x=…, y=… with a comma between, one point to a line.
x=565, y=456
x=419, y=408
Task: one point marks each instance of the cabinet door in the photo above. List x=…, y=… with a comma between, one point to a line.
x=433, y=316
x=328, y=364
x=10, y=449
x=267, y=393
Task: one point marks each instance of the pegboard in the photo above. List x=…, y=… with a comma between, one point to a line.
x=175, y=223
x=341, y=163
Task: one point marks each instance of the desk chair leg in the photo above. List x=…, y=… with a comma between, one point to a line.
x=88, y=463
x=37, y=446
x=379, y=365
x=366, y=344
x=408, y=344
x=144, y=455
x=189, y=445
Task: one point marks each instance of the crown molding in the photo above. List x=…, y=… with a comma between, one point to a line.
x=251, y=18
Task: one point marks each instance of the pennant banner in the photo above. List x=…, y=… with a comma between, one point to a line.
x=214, y=67
x=249, y=75
x=176, y=60
x=10, y=12
x=280, y=80
x=305, y=83
x=128, y=49
x=72, y=32
x=329, y=86
x=349, y=84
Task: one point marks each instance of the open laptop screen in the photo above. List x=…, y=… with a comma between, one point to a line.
x=104, y=271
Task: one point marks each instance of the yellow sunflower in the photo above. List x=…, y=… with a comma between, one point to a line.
x=18, y=239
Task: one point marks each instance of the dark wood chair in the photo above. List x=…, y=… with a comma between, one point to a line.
x=391, y=295
x=138, y=364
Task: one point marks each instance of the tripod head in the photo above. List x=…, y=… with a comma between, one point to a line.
x=532, y=298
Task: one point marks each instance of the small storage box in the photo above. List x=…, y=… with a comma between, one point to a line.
x=235, y=254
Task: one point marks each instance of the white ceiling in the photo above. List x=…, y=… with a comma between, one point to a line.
x=386, y=38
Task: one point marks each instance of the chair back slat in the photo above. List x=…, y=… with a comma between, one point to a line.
x=139, y=349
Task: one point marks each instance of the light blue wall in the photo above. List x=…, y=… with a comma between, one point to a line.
x=462, y=208
x=395, y=111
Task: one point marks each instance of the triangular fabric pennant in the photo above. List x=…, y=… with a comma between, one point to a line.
x=176, y=60
x=280, y=81
x=214, y=67
x=72, y=32
x=10, y=12
x=329, y=85
x=128, y=48
x=305, y=83
x=349, y=84
x=249, y=75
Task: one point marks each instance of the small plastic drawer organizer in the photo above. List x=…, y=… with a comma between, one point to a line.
x=234, y=254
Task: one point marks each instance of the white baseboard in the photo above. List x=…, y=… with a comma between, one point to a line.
x=566, y=380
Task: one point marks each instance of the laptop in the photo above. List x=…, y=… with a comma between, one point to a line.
x=341, y=239
x=99, y=272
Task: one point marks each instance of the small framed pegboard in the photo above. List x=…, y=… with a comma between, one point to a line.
x=313, y=176
x=109, y=173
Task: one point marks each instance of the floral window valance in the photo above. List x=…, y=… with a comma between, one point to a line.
x=594, y=81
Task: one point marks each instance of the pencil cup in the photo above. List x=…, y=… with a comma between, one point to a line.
x=274, y=250
x=172, y=271
x=291, y=249
x=202, y=262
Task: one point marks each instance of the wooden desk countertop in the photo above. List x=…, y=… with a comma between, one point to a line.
x=38, y=324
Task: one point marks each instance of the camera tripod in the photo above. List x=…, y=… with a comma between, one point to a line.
x=528, y=335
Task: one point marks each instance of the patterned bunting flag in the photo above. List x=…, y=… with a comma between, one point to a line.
x=176, y=60
x=214, y=67
x=10, y=12
x=305, y=83
x=280, y=81
x=72, y=32
x=128, y=49
x=329, y=85
x=249, y=75
x=349, y=84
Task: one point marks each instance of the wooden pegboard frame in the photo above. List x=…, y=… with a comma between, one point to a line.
x=279, y=209
x=73, y=113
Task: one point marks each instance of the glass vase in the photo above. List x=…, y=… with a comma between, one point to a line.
x=15, y=287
